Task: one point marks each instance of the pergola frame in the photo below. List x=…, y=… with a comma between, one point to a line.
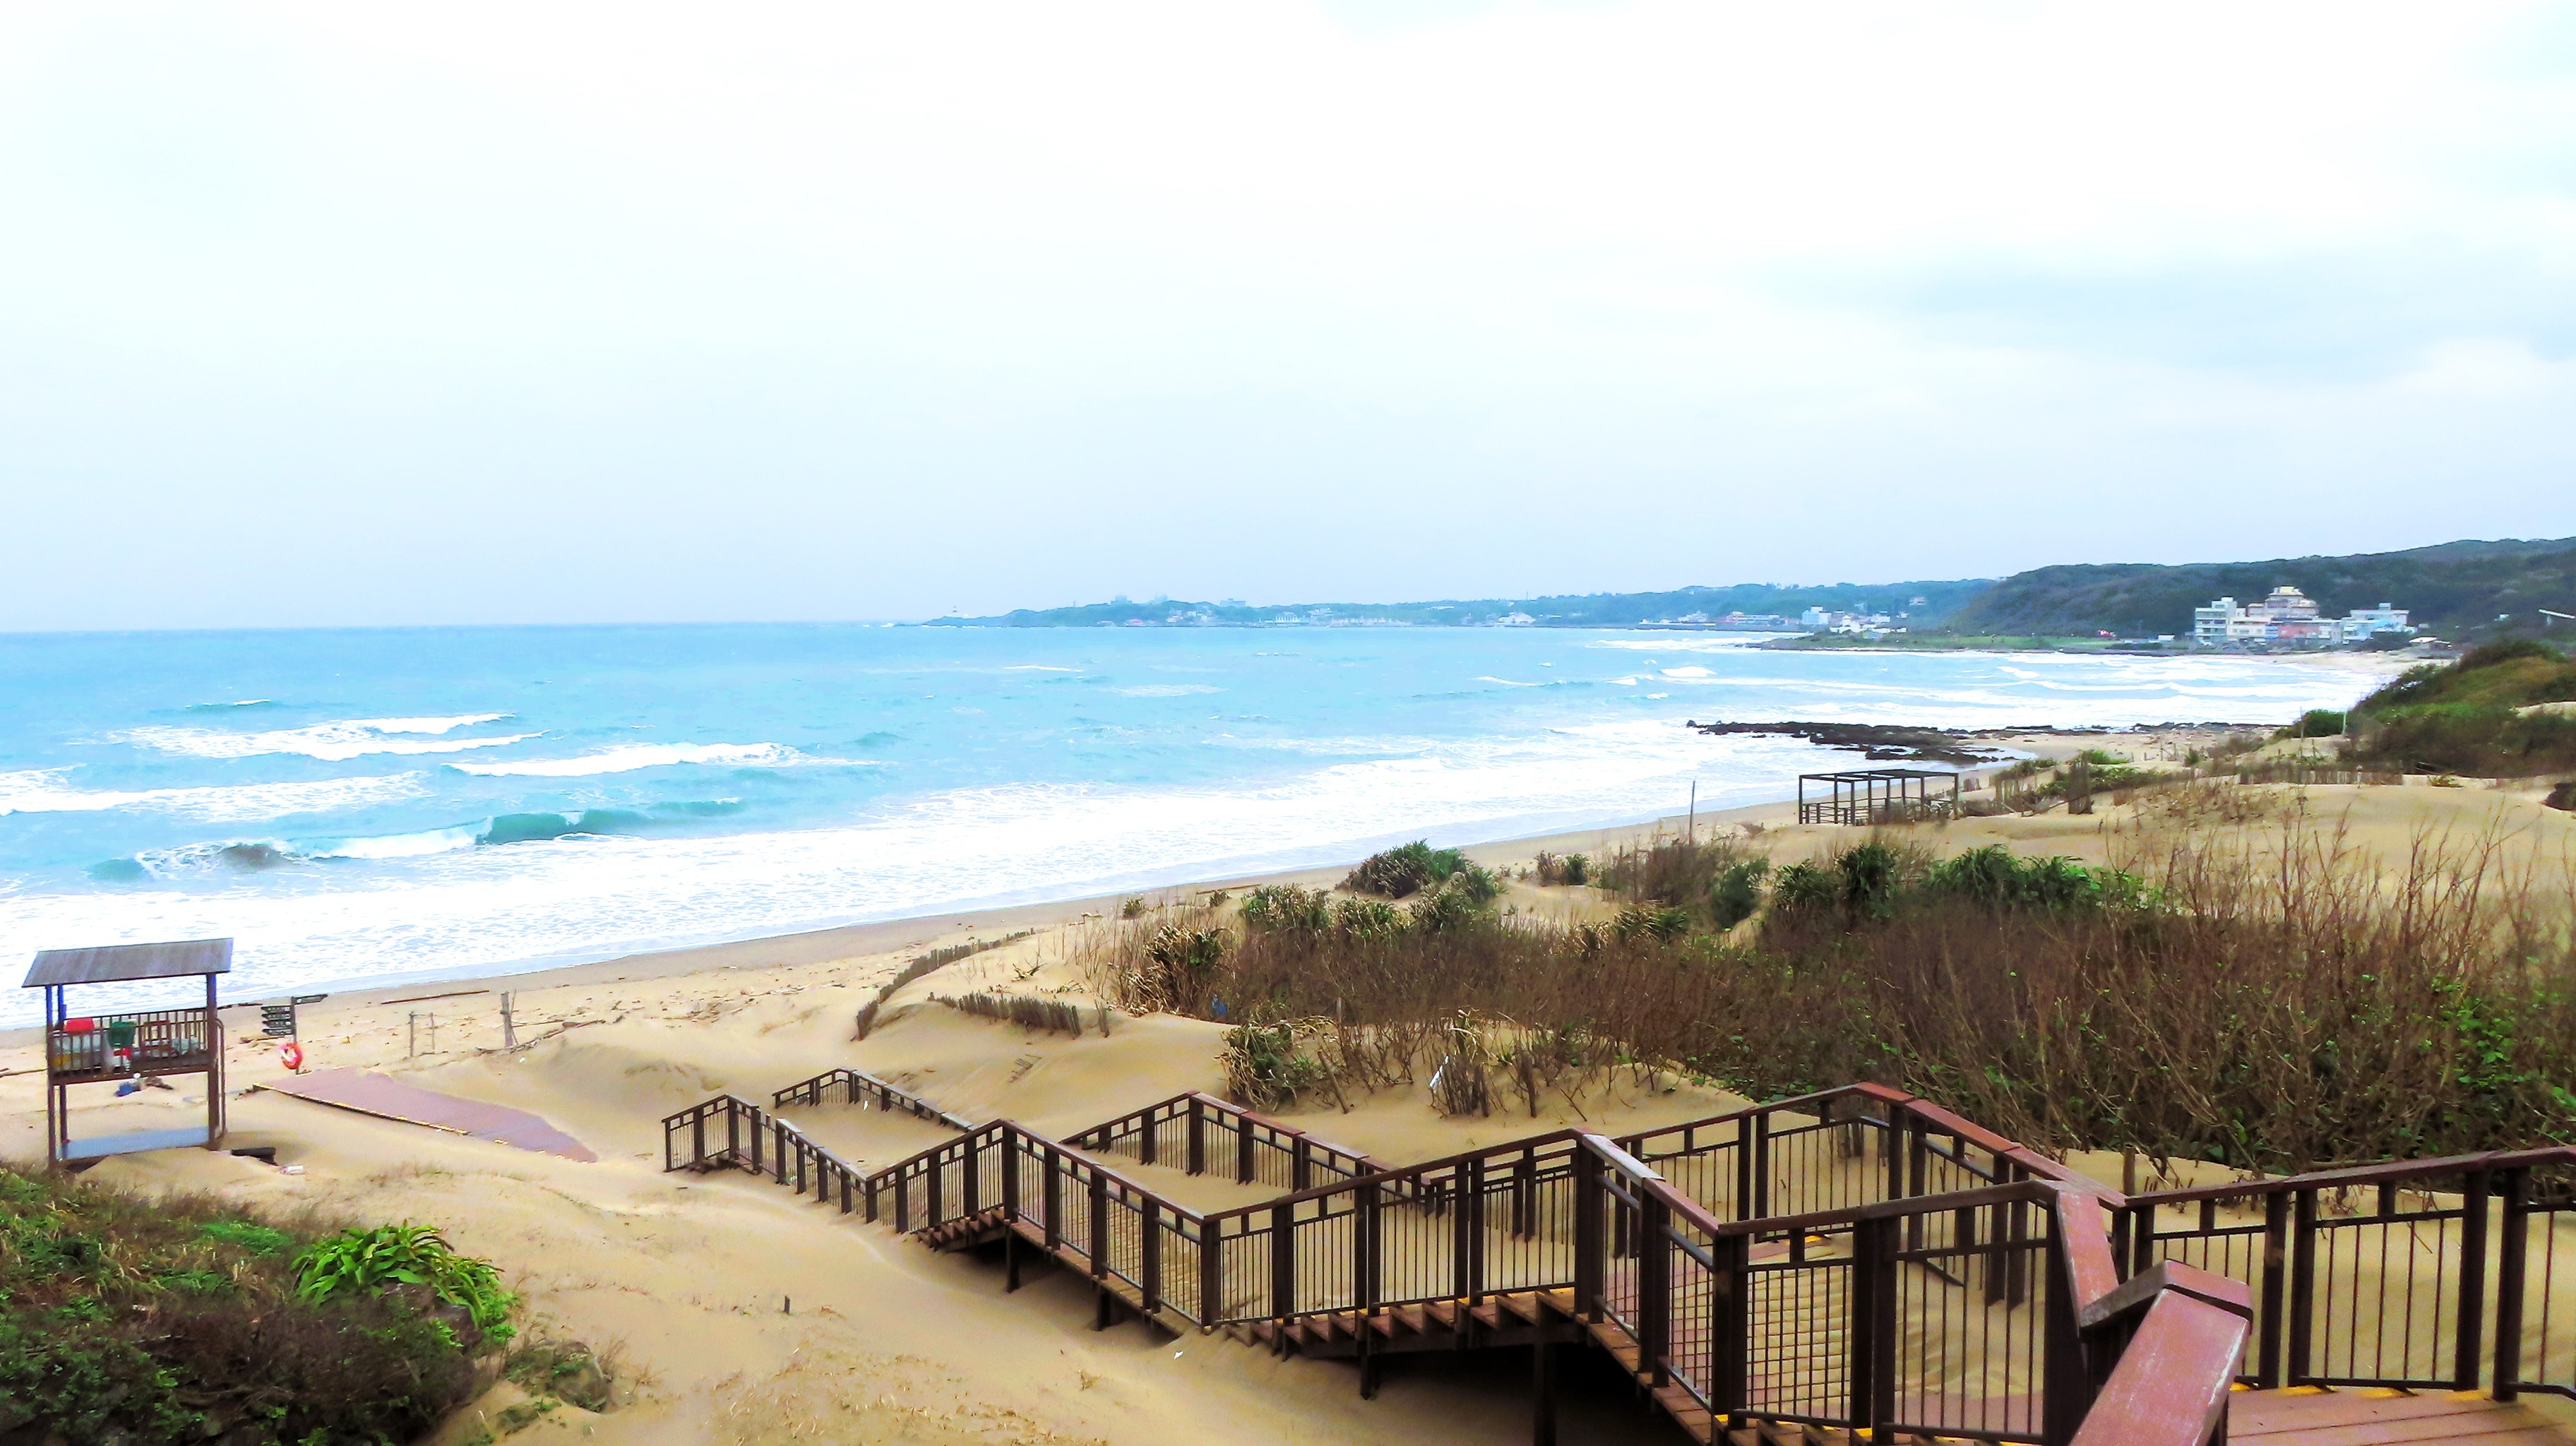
x=154, y=1042
x=1877, y=795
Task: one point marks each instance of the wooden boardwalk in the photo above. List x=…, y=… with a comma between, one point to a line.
x=2312, y=1417
x=1854, y=1265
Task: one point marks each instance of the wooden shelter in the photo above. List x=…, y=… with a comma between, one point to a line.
x=1877, y=795
x=122, y=1045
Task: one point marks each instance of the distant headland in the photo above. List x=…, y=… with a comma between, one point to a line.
x=2457, y=590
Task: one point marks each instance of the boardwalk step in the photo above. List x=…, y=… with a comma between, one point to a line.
x=1693, y=1417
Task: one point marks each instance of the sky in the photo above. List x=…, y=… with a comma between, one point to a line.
x=365, y=315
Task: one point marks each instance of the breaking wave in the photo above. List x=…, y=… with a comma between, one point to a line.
x=331, y=742
x=646, y=755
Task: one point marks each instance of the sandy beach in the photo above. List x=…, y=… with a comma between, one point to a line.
x=739, y=1313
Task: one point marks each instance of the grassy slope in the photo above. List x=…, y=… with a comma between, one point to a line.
x=2462, y=718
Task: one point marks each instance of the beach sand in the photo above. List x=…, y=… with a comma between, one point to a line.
x=740, y=1313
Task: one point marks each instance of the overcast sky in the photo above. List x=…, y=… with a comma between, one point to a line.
x=341, y=314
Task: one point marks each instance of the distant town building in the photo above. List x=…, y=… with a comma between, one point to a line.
x=2289, y=616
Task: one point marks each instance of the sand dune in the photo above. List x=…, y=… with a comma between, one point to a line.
x=746, y=1315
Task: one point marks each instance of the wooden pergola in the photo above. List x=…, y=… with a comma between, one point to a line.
x=121, y=1045
x=1877, y=795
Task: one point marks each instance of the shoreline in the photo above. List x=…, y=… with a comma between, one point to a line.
x=936, y=928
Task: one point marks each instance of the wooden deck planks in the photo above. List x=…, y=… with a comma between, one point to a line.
x=2370, y=1418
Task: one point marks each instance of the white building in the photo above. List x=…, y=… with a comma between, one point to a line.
x=2288, y=615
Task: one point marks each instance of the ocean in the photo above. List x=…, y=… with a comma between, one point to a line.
x=377, y=805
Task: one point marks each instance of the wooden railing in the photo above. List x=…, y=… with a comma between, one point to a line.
x=726, y=1131
x=2417, y=1274
x=1860, y=1260
x=114, y=1046
x=1202, y=1134
x=849, y=1087
x=1814, y=1152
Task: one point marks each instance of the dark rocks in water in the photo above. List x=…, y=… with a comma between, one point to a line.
x=1878, y=742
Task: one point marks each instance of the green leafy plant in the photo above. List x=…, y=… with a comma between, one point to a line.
x=1737, y=894
x=389, y=1256
x=1405, y=870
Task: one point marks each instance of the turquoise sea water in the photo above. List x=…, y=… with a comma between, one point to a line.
x=374, y=804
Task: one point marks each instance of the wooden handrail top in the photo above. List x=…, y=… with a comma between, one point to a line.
x=1229, y=1107
x=1382, y=1177
x=2348, y=1175
x=1949, y=1123
x=1008, y=1128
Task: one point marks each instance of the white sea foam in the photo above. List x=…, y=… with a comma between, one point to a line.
x=430, y=901
x=392, y=846
x=331, y=742
x=1166, y=690
x=1507, y=682
x=47, y=790
x=646, y=755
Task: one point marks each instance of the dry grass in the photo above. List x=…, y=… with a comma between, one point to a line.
x=2268, y=997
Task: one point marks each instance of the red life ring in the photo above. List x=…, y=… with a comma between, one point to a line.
x=291, y=1055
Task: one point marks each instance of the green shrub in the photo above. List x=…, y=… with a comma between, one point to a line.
x=1265, y=1070
x=1405, y=870
x=1288, y=907
x=179, y=1319
x=1805, y=888
x=390, y=1256
x=1651, y=921
x=1451, y=906
x=1369, y=918
x=1737, y=894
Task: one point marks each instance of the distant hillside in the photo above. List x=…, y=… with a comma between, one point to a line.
x=2451, y=585
x=1938, y=601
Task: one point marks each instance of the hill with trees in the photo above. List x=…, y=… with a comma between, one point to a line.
x=2450, y=586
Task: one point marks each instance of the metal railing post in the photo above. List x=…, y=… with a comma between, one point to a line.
x=1654, y=1289
x=2509, y=1284
x=1283, y=1262
x=2068, y=1381
x=1149, y=1254
x=1730, y=1322
x=2473, y=1279
x=1364, y=1244
x=1010, y=1173
x=1099, y=1224
x=1211, y=1271
x=2276, y=1268
x=1589, y=1264
x=970, y=1186
x=1861, y=1327
x=1053, y=1191
x=1744, y=1209
x=2303, y=1265
x=1466, y=1266
x=1197, y=1137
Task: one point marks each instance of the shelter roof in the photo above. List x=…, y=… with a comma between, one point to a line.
x=1869, y=775
x=111, y=962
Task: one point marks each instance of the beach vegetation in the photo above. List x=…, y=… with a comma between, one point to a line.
x=2486, y=715
x=2269, y=997
x=1556, y=869
x=1405, y=870
x=1735, y=895
x=180, y=1318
